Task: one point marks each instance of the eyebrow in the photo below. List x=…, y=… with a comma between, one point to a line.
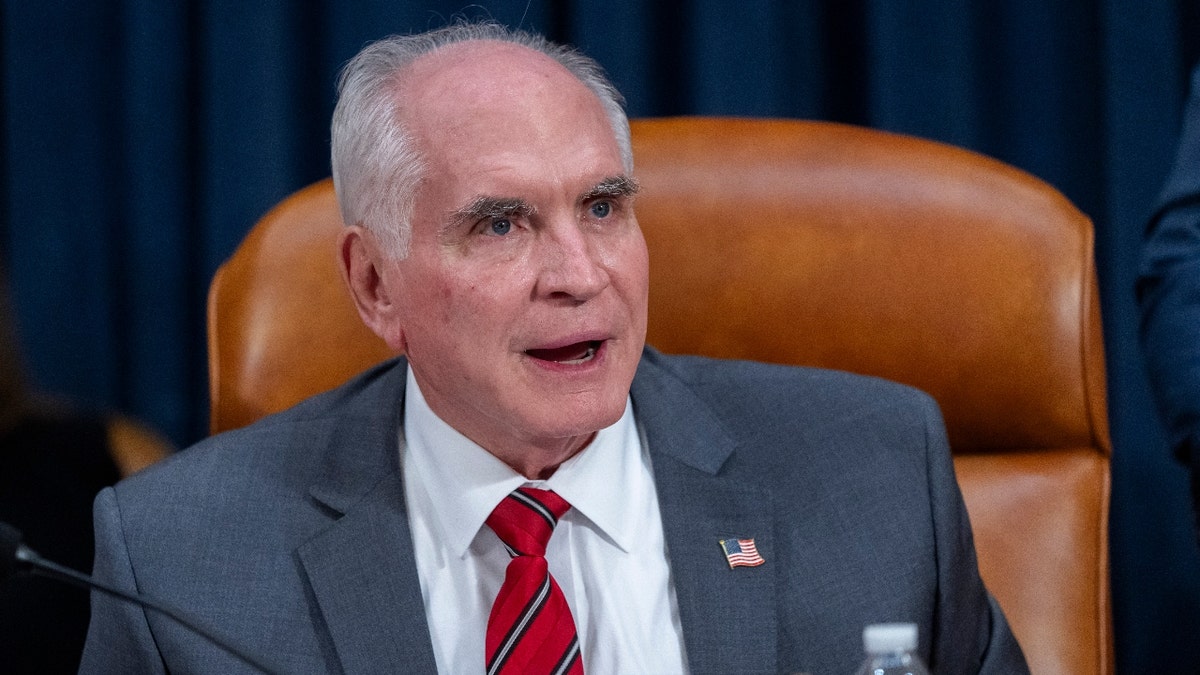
x=485, y=207
x=613, y=186
x=482, y=208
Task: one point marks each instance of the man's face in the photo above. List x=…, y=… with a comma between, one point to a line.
x=522, y=302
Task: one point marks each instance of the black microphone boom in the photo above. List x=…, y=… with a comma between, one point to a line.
x=15, y=556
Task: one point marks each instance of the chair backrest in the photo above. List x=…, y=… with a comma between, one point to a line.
x=819, y=244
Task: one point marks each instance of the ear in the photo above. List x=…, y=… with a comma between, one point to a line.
x=372, y=283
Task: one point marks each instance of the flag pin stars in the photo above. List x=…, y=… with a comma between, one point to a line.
x=741, y=553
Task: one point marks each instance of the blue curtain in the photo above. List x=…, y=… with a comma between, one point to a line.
x=141, y=138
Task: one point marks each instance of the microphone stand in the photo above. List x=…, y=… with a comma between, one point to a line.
x=46, y=568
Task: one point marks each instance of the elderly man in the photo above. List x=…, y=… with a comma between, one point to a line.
x=531, y=489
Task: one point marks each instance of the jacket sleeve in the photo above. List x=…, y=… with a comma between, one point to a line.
x=1168, y=290
x=971, y=634
x=119, y=638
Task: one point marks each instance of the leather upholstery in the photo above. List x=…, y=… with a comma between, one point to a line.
x=819, y=244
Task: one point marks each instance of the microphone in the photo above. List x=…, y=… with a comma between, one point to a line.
x=17, y=557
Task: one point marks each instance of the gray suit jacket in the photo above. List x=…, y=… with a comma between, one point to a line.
x=291, y=537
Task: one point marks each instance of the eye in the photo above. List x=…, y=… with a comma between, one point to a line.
x=601, y=209
x=500, y=226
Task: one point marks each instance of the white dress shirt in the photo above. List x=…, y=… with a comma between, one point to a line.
x=607, y=553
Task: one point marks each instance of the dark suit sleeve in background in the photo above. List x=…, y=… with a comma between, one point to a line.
x=1169, y=293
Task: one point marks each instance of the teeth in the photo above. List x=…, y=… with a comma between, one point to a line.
x=587, y=356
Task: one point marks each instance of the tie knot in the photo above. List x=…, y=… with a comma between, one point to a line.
x=525, y=519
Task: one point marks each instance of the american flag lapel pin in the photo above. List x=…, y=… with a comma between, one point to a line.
x=741, y=553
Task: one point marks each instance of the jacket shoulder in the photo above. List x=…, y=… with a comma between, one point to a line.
x=282, y=449
x=755, y=384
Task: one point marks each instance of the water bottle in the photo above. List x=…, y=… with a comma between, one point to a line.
x=891, y=650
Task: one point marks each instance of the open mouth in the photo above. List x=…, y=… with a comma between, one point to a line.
x=570, y=355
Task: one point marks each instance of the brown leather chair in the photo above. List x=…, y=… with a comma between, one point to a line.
x=134, y=445
x=820, y=244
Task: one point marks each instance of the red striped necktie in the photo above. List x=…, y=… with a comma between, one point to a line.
x=530, y=629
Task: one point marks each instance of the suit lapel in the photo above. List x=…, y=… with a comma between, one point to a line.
x=728, y=615
x=361, y=571
x=363, y=579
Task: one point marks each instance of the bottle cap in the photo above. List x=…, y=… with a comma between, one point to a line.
x=890, y=637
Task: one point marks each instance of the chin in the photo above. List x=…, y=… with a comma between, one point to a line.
x=583, y=418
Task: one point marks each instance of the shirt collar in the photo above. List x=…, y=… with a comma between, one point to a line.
x=466, y=482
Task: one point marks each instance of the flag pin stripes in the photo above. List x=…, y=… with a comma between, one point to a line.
x=741, y=553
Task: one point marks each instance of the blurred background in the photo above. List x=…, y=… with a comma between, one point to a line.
x=142, y=138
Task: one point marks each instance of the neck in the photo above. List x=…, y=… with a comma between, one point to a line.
x=537, y=462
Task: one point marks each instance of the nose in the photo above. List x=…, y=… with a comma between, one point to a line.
x=573, y=266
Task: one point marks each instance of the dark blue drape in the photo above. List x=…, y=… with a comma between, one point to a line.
x=141, y=138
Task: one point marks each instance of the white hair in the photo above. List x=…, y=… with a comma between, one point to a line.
x=376, y=166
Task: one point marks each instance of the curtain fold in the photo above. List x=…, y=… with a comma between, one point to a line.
x=141, y=139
